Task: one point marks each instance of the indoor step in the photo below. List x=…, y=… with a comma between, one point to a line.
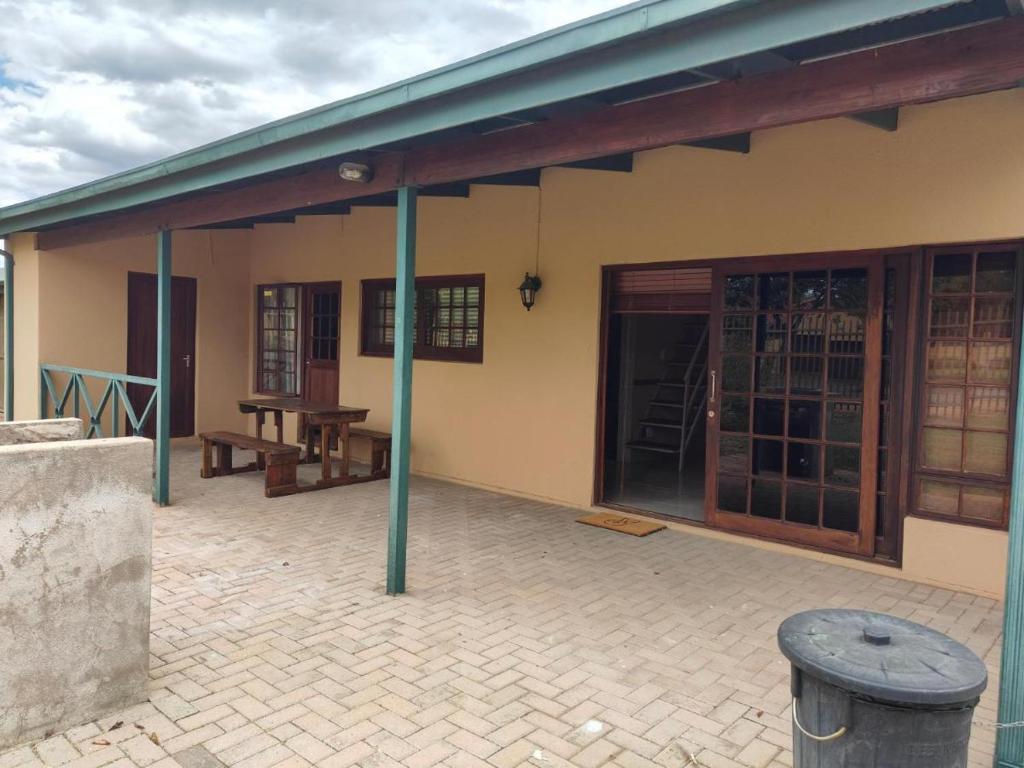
x=661, y=423
x=650, y=445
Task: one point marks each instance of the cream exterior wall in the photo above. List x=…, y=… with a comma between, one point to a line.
x=26, y=327
x=81, y=311
x=524, y=421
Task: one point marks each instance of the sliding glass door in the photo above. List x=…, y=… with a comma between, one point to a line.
x=794, y=396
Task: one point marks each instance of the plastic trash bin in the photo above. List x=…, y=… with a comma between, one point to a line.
x=874, y=691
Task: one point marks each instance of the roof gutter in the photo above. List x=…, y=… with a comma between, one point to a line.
x=559, y=65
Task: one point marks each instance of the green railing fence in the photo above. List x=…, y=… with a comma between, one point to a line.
x=64, y=391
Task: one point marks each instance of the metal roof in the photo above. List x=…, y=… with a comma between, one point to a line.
x=664, y=43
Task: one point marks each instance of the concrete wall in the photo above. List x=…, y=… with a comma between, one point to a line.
x=524, y=421
x=75, y=565
x=44, y=431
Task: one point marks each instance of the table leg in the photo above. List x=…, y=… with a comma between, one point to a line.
x=344, y=450
x=325, y=451
x=279, y=423
x=310, y=458
x=260, y=418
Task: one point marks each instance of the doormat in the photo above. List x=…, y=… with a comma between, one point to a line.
x=622, y=524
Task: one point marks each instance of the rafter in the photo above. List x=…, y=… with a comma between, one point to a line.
x=883, y=119
x=621, y=163
x=737, y=142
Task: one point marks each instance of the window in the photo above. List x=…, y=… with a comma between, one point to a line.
x=277, y=336
x=449, y=318
x=969, y=379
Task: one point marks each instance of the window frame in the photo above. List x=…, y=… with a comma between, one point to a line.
x=919, y=472
x=421, y=350
x=258, y=387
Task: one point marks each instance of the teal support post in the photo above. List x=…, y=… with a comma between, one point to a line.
x=1010, y=741
x=8, y=336
x=401, y=419
x=161, y=481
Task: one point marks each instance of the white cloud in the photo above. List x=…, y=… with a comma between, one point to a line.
x=92, y=87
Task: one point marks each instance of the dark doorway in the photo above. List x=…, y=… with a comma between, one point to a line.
x=656, y=396
x=142, y=351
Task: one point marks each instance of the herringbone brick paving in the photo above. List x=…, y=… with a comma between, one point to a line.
x=524, y=639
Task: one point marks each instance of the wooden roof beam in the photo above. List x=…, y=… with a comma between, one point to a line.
x=968, y=61
x=974, y=60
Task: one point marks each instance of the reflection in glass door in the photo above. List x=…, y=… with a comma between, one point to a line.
x=792, y=454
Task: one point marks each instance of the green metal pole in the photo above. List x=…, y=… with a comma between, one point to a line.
x=161, y=482
x=1010, y=741
x=8, y=336
x=401, y=419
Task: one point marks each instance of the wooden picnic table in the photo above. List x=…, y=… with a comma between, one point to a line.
x=332, y=419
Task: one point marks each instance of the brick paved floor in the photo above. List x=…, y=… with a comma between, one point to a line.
x=524, y=639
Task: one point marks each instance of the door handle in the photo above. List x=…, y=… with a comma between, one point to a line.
x=714, y=387
x=188, y=360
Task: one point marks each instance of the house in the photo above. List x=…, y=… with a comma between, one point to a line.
x=779, y=250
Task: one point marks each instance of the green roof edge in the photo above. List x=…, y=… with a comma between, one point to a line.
x=807, y=18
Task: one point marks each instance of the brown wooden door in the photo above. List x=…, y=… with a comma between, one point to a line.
x=142, y=351
x=322, y=316
x=793, y=407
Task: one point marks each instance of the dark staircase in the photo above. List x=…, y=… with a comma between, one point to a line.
x=673, y=415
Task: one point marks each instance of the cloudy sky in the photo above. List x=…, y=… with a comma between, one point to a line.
x=92, y=87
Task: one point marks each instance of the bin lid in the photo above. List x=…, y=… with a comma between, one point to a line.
x=882, y=657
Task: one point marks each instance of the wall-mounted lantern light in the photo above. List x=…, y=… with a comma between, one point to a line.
x=528, y=290
x=357, y=172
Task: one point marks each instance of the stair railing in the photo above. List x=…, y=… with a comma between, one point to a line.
x=690, y=391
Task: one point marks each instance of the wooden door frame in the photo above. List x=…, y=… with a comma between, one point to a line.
x=904, y=426
x=607, y=272
x=194, y=282
x=863, y=542
x=305, y=312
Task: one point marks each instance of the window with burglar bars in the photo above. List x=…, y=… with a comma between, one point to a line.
x=448, y=324
x=277, y=356
x=969, y=371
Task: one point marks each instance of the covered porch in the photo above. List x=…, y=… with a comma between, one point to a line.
x=812, y=151
x=524, y=638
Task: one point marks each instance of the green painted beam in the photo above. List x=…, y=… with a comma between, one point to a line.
x=8, y=335
x=1010, y=741
x=162, y=479
x=401, y=418
x=630, y=45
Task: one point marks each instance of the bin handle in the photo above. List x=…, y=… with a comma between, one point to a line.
x=809, y=735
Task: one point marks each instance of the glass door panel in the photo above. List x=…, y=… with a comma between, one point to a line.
x=793, y=456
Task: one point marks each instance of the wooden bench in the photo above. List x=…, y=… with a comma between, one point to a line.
x=279, y=460
x=380, y=443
